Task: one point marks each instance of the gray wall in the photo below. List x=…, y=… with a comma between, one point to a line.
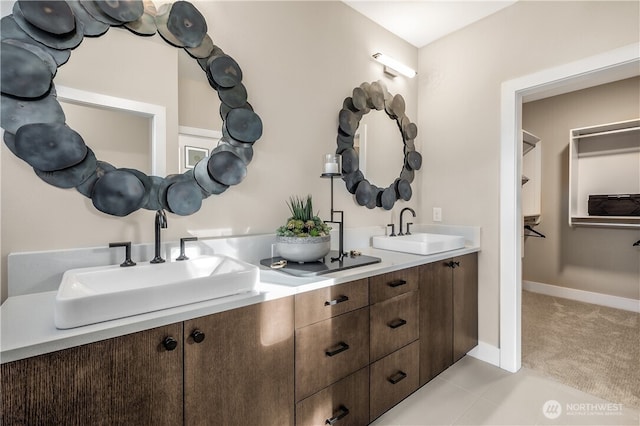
x=299, y=60
x=460, y=79
x=600, y=260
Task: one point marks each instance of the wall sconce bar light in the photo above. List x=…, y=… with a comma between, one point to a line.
x=394, y=65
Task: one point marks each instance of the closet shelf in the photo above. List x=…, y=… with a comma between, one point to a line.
x=609, y=221
x=529, y=141
x=607, y=129
x=531, y=174
x=603, y=160
x=532, y=220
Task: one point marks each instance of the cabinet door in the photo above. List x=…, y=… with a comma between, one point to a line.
x=386, y=286
x=130, y=379
x=241, y=373
x=465, y=305
x=436, y=319
x=329, y=350
x=317, y=305
x=393, y=378
x=345, y=403
x=394, y=324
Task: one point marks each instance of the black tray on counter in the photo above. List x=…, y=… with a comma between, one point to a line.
x=324, y=266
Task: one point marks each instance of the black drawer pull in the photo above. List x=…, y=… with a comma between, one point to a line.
x=339, y=299
x=197, y=336
x=396, y=283
x=342, y=413
x=400, y=375
x=397, y=323
x=341, y=347
x=169, y=343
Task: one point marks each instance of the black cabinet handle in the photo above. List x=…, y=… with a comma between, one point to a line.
x=342, y=413
x=397, y=323
x=169, y=343
x=197, y=336
x=396, y=283
x=452, y=264
x=340, y=347
x=400, y=375
x=339, y=299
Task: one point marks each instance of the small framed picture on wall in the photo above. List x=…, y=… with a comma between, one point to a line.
x=194, y=144
x=192, y=155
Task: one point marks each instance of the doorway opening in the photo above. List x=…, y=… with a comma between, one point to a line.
x=604, y=68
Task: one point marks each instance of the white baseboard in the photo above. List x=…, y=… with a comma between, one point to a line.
x=487, y=353
x=583, y=296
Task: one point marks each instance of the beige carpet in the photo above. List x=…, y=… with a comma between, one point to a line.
x=589, y=347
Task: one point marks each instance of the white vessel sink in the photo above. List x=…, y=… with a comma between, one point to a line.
x=419, y=243
x=91, y=295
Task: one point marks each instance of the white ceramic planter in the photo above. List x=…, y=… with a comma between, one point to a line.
x=303, y=249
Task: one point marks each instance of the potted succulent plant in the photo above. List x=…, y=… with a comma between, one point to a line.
x=304, y=237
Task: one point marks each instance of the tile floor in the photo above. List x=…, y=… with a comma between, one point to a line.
x=472, y=392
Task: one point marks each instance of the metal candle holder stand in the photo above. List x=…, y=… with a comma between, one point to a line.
x=340, y=222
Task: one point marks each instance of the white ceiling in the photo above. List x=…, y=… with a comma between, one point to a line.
x=422, y=21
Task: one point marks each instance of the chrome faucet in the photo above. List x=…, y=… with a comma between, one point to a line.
x=401, y=213
x=161, y=222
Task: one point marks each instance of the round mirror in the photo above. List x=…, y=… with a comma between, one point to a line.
x=38, y=38
x=361, y=155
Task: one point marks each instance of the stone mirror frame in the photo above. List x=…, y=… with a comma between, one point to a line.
x=38, y=37
x=364, y=98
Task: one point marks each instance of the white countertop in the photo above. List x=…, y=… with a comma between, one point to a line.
x=27, y=326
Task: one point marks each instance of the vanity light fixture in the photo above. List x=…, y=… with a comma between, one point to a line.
x=393, y=66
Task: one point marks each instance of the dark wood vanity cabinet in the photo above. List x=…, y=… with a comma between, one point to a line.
x=465, y=305
x=394, y=333
x=344, y=403
x=132, y=379
x=393, y=378
x=315, y=306
x=448, y=313
x=343, y=354
x=420, y=321
x=332, y=355
x=238, y=366
x=231, y=368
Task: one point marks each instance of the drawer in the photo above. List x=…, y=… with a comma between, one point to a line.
x=317, y=305
x=344, y=403
x=394, y=324
x=329, y=350
x=386, y=286
x=393, y=378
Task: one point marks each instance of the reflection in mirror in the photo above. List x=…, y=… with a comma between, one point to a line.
x=193, y=85
x=191, y=139
x=115, y=137
x=124, y=132
x=381, y=143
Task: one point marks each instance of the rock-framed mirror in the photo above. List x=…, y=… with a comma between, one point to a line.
x=38, y=37
x=370, y=98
